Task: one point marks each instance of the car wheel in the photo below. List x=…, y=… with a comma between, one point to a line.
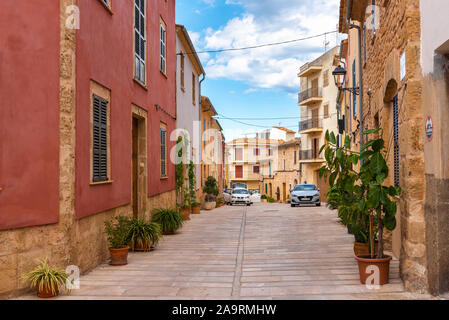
x=230, y=204
x=292, y=205
x=248, y=204
x=318, y=204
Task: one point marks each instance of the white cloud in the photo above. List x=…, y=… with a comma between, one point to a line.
x=268, y=21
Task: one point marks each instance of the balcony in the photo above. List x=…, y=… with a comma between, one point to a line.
x=311, y=126
x=310, y=156
x=309, y=68
x=310, y=96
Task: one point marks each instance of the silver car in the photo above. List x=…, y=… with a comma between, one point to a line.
x=305, y=194
x=241, y=196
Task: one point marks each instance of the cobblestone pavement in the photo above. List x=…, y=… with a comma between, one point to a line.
x=267, y=251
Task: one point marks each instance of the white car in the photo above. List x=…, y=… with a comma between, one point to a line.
x=305, y=194
x=240, y=196
x=227, y=195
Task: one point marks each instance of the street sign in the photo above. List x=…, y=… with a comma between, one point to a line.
x=429, y=128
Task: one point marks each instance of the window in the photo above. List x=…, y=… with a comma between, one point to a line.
x=354, y=95
x=326, y=111
x=193, y=89
x=284, y=164
x=100, y=140
x=238, y=172
x=139, y=41
x=163, y=48
x=326, y=78
x=256, y=169
x=163, y=150
x=294, y=157
x=256, y=151
x=238, y=153
x=182, y=71
x=270, y=152
x=269, y=168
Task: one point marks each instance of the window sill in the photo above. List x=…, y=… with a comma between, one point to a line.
x=108, y=8
x=164, y=178
x=164, y=74
x=140, y=84
x=101, y=183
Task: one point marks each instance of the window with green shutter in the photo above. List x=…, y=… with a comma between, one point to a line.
x=100, y=139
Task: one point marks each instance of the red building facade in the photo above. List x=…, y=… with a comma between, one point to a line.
x=85, y=115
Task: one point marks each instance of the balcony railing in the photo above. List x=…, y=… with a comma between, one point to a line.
x=309, y=155
x=309, y=94
x=308, y=65
x=314, y=123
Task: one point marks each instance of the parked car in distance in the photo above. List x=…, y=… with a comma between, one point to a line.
x=255, y=195
x=227, y=195
x=305, y=194
x=240, y=196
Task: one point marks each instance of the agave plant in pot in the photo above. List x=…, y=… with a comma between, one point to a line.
x=371, y=200
x=118, y=232
x=144, y=236
x=47, y=280
x=170, y=220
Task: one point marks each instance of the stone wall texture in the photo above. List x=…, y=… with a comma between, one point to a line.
x=399, y=32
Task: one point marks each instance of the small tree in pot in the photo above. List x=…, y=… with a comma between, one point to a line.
x=370, y=199
x=211, y=190
x=118, y=232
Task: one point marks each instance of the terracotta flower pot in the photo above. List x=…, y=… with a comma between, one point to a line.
x=185, y=213
x=119, y=257
x=362, y=249
x=168, y=233
x=367, y=266
x=196, y=209
x=263, y=200
x=210, y=205
x=144, y=247
x=46, y=293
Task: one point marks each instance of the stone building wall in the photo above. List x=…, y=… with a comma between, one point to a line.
x=400, y=32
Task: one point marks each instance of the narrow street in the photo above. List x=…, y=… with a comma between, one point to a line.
x=267, y=251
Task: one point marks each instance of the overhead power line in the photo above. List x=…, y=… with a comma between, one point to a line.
x=261, y=45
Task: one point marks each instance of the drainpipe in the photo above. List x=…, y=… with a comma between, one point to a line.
x=353, y=26
x=199, y=111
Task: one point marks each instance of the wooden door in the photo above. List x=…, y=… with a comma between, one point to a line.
x=315, y=88
x=284, y=192
x=315, y=118
x=315, y=148
x=135, y=178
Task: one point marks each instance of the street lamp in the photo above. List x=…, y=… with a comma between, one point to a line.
x=340, y=79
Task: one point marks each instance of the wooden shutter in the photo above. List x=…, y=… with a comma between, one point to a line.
x=239, y=171
x=238, y=154
x=326, y=78
x=163, y=151
x=326, y=111
x=100, y=139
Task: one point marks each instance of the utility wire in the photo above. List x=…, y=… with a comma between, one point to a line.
x=261, y=45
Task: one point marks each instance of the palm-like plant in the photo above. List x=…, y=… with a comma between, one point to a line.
x=170, y=220
x=46, y=279
x=118, y=232
x=143, y=234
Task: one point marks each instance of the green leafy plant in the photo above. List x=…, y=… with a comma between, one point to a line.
x=263, y=196
x=181, y=190
x=361, y=196
x=170, y=220
x=44, y=277
x=143, y=234
x=211, y=189
x=221, y=200
x=270, y=200
x=118, y=232
x=192, y=185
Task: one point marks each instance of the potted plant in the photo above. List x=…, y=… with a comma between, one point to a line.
x=118, y=233
x=182, y=194
x=263, y=198
x=170, y=220
x=211, y=191
x=143, y=235
x=48, y=281
x=371, y=199
x=270, y=200
x=220, y=202
x=195, y=205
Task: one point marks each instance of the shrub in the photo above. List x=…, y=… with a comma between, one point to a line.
x=118, y=232
x=270, y=200
x=211, y=186
x=170, y=220
x=263, y=196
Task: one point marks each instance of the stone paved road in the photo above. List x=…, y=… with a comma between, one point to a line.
x=268, y=251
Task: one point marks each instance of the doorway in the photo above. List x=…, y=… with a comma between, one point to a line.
x=139, y=175
x=284, y=192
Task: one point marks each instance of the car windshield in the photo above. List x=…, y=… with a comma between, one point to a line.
x=240, y=191
x=305, y=187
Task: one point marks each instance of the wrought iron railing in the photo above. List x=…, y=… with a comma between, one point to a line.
x=309, y=155
x=314, y=123
x=310, y=93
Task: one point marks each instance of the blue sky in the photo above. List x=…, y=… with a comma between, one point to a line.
x=258, y=83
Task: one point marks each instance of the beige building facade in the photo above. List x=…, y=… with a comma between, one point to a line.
x=318, y=106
